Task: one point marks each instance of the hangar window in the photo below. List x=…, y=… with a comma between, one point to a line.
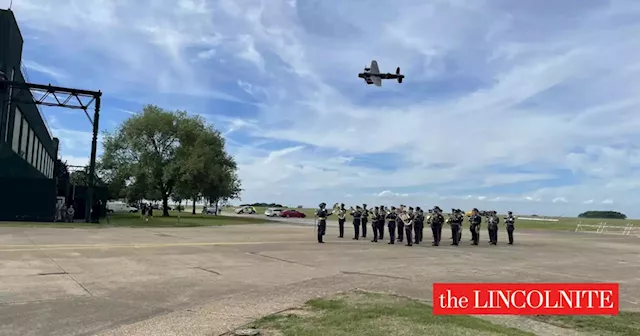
x=23, y=139
x=17, y=120
x=30, y=148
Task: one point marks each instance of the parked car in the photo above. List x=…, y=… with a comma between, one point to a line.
x=246, y=210
x=273, y=212
x=292, y=213
x=120, y=207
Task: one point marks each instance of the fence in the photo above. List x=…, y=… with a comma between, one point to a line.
x=604, y=228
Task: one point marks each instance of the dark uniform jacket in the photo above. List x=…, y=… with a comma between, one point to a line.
x=437, y=219
x=475, y=220
x=493, y=222
x=510, y=221
x=357, y=215
x=392, y=217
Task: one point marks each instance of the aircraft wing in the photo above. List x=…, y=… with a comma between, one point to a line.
x=374, y=67
x=376, y=80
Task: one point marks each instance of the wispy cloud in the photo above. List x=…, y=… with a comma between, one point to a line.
x=526, y=103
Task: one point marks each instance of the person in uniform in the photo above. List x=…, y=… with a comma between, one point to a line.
x=510, y=221
x=322, y=214
x=475, y=220
x=407, y=220
x=400, y=223
x=437, y=220
x=364, y=220
x=418, y=225
x=455, y=222
x=381, y=222
x=460, y=220
x=392, y=217
x=492, y=223
x=342, y=217
x=357, y=218
x=375, y=217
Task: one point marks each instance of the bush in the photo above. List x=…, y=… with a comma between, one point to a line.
x=602, y=215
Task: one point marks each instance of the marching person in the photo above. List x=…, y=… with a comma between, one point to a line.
x=510, y=221
x=381, y=222
x=375, y=217
x=455, y=223
x=400, y=223
x=392, y=217
x=418, y=225
x=407, y=220
x=460, y=220
x=357, y=217
x=437, y=220
x=342, y=217
x=364, y=220
x=475, y=221
x=322, y=214
x=492, y=223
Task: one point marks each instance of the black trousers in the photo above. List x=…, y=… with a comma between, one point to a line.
x=364, y=227
x=380, y=229
x=400, y=227
x=341, y=228
x=475, y=234
x=455, y=233
x=322, y=228
x=459, y=234
x=418, y=228
x=356, y=229
x=374, y=228
x=510, y=230
x=436, y=230
x=408, y=229
x=392, y=232
x=493, y=235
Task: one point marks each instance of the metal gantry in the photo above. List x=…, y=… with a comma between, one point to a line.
x=56, y=96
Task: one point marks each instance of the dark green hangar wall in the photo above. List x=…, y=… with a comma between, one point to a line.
x=27, y=150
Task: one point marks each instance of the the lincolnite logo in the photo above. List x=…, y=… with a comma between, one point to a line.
x=525, y=298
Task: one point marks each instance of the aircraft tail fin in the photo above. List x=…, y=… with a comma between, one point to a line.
x=400, y=80
x=398, y=71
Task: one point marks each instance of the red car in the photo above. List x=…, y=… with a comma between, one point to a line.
x=292, y=214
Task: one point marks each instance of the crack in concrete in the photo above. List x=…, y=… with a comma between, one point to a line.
x=374, y=275
x=206, y=270
x=279, y=259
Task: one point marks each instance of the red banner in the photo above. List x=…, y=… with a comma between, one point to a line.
x=525, y=298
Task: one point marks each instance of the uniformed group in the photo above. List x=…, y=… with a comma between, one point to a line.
x=407, y=222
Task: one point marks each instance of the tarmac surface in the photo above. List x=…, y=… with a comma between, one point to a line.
x=210, y=280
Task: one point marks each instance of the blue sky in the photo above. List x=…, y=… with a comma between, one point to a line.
x=527, y=105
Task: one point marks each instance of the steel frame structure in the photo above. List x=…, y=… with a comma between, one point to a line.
x=56, y=96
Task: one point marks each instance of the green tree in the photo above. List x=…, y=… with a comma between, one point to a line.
x=603, y=215
x=207, y=170
x=144, y=149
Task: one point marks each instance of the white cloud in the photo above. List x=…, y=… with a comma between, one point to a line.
x=588, y=202
x=390, y=194
x=505, y=100
x=607, y=201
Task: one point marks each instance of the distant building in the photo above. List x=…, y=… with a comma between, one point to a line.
x=28, y=151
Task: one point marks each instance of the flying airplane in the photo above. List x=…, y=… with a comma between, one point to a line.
x=372, y=75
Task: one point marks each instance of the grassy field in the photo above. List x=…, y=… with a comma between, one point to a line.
x=184, y=219
x=626, y=323
x=361, y=314
x=365, y=314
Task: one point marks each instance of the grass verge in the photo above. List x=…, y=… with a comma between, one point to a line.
x=627, y=323
x=366, y=314
x=134, y=220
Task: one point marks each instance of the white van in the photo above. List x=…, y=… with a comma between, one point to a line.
x=273, y=212
x=120, y=207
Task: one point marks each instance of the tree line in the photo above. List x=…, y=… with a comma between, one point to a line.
x=160, y=154
x=602, y=215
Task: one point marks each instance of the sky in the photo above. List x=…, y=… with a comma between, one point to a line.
x=529, y=106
